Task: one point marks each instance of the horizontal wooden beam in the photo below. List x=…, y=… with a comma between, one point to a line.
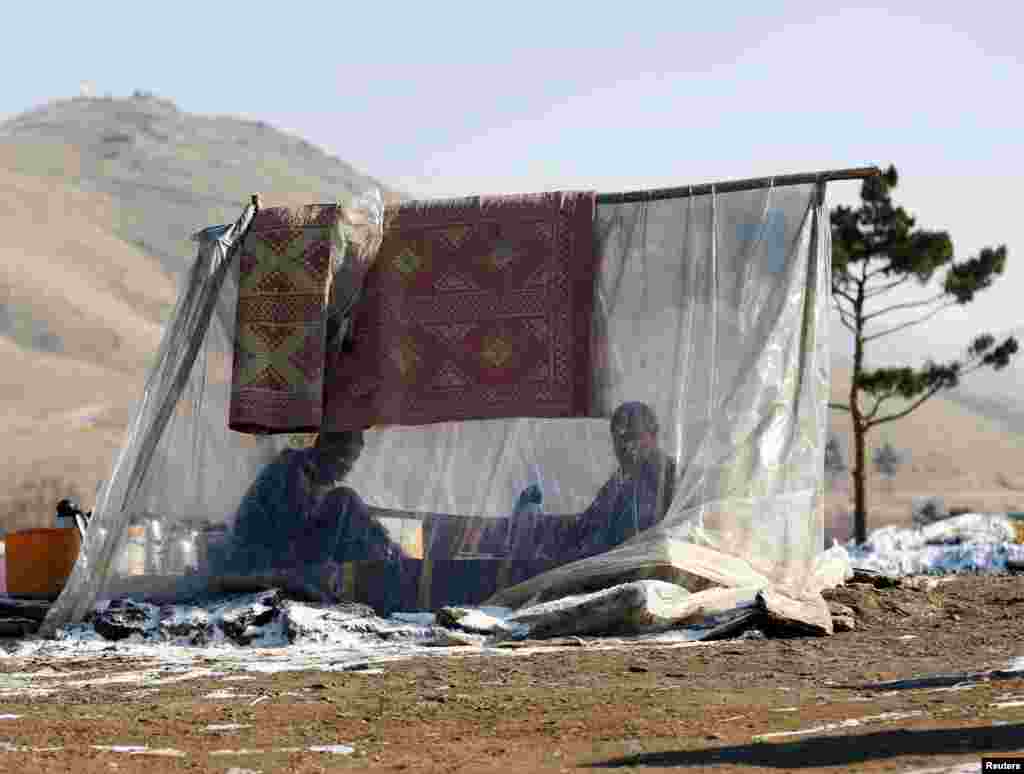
x=856, y=173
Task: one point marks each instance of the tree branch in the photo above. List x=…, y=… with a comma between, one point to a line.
x=869, y=415
x=978, y=364
x=908, y=305
x=901, y=414
x=842, y=293
x=839, y=305
x=872, y=274
x=844, y=318
x=886, y=288
x=928, y=316
x=847, y=325
x=838, y=407
x=878, y=404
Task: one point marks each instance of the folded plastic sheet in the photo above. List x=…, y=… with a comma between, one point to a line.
x=710, y=309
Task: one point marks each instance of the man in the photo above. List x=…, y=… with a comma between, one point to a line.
x=296, y=518
x=635, y=498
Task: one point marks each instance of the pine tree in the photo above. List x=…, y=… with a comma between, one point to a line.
x=875, y=251
x=835, y=460
x=887, y=461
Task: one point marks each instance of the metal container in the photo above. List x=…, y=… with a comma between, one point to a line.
x=155, y=534
x=181, y=551
x=39, y=561
x=131, y=558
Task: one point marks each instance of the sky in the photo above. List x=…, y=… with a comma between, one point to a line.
x=448, y=99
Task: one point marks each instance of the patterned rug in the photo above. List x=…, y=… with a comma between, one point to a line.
x=285, y=272
x=475, y=308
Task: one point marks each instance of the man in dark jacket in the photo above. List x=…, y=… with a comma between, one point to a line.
x=635, y=498
x=297, y=518
x=640, y=491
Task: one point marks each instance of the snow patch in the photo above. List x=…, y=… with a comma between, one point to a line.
x=218, y=727
x=971, y=543
x=333, y=749
x=851, y=723
x=9, y=747
x=130, y=749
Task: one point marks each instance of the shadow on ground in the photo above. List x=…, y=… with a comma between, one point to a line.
x=838, y=750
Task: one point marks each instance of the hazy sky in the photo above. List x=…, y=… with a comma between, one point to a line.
x=491, y=98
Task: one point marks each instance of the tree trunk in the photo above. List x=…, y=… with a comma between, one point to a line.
x=860, y=428
x=859, y=467
x=860, y=511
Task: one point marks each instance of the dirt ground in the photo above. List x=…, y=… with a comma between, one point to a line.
x=636, y=709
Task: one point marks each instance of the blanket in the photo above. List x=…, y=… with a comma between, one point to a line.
x=289, y=273
x=476, y=308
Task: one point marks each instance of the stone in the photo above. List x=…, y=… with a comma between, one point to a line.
x=795, y=614
x=245, y=623
x=920, y=583
x=475, y=622
x=123, y=618
x=753, y=634
x=190, y=624
x=877, y=579
x=838, y=609
x=631, y=608
x=843, y=623
x=642, y=607
x=446, y=638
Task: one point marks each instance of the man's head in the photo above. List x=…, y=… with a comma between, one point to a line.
x=336, y=454
x=634, y=433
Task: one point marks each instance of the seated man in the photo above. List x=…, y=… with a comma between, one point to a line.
x=297, y=518
x=635, y=498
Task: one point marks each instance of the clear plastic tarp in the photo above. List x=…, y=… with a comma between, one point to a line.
x=710, y=380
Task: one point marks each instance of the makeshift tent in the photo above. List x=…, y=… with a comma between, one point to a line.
x=710, y=305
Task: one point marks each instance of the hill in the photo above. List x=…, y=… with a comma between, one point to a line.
x=998, y=395
x=972, y=460
x=168, y=171
x=98, y=200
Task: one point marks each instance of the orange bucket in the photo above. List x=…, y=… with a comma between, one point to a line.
x=39, y=561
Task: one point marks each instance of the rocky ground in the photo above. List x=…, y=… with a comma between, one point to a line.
x=798, y=704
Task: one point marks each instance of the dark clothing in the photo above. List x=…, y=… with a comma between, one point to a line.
x=282, y=523
x=625, y=506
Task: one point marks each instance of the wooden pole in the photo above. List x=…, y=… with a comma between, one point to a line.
x=856, y=173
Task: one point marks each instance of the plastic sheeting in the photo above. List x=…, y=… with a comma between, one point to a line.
x=710, y=309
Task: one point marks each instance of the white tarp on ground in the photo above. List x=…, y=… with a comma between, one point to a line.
x=973, y=542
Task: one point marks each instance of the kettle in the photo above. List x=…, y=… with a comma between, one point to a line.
x=70, y=516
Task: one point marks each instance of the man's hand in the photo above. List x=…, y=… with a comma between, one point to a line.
x=529, y=496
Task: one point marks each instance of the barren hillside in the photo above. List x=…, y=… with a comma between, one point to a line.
x=970, y=460
x=98, y=200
